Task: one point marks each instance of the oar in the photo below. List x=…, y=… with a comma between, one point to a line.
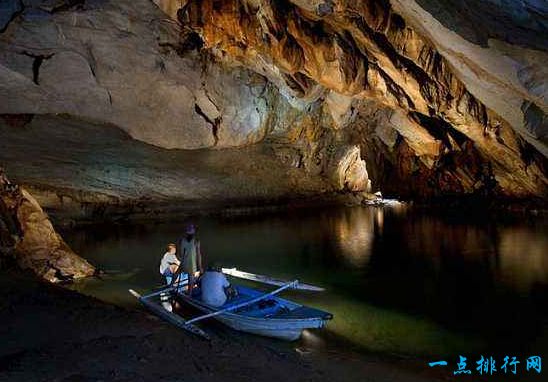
x=163, y=290
x=291, y=284
x=168, y=288
x=187, y=325
x=168, y=316
x=267, y=280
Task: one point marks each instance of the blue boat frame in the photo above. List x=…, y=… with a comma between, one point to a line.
x=284, y=320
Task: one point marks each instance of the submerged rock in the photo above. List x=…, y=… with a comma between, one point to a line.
x=28, y=238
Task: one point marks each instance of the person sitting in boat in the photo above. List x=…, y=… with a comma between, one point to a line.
x=216, y=289
x=191, y=256
x=169, y=263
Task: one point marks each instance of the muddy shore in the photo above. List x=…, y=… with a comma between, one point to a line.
x=53, y=334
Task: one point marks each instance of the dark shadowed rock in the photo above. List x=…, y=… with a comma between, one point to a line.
x=518, y=22
x=9, y=9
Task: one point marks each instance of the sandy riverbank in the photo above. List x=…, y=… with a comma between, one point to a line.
x=53, y=334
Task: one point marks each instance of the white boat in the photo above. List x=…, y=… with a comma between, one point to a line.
x=272, y=317
x=251, y=311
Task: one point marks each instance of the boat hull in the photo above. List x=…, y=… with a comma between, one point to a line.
x=284, y=328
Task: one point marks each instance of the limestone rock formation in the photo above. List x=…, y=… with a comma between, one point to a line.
x=350, y=172
x=93, y=171
x=28, y=237
x=331, y=94
x=8, y=10
x=122, y=63
x=498, y=50
x=125, y=64
x=516, y=22
x=383, y=51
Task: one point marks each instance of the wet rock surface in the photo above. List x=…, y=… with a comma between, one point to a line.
x=28, y=239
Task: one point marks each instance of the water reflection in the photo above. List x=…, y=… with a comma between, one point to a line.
x=516, y=255
x=355, y=232
x=394, y=276
x=311, y=340
x=523, y=257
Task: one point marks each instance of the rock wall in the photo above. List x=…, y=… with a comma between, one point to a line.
x=516, y=22
x=124, y=63
x=358, y=96
x=343, y=53
x=121, y=63
x=28, y=238
x=93, y=171
x=496, y=50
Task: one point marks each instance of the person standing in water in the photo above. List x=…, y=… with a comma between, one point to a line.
x=191, y=256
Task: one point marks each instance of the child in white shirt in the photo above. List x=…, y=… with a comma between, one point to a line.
x=170, y=263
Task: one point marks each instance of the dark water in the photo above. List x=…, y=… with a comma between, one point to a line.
x=399, y=281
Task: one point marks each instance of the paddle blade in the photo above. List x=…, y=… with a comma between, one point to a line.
x=268, y=280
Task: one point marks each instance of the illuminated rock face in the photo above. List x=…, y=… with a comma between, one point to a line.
x=357, y=94
x=120, y=62
x=348, y=52
x=123, y=63
x=28, y=237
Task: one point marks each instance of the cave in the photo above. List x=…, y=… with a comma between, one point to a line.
x=346, y=119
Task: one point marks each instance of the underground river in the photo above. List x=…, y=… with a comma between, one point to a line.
x=401, y=281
